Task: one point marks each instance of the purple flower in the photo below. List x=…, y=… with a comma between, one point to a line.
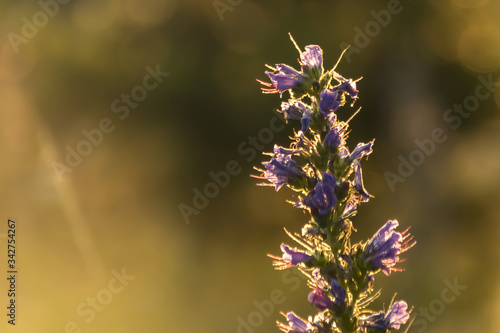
x=319, y=299
x=358, y=182
x=338, y=293
x=349, y=209
x=283, y=78
x=297, y=110
x=382, y=251
x=335, y=137
x=312, y=59
x=291, y=257
x=318, y=295
x=284, y=151
x=306, y=120
x=328, y=102
x=281, y=169
x=334, y=287
x=322, y=198
x=374, y=321
x=295, y=324
x=304, y=142
x=348, y=86
x=343, y=152
x=294, y=256
x=397, y=316
x=293, y=110
x=362, y=149
x=318, y=279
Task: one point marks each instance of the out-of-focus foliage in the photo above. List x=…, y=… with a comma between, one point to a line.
x=119, y=206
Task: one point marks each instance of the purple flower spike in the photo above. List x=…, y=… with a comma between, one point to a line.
x=335, y=138
x=322, y=199
x=326, y=176
x=293, y=256
x=328, y=102
x=358, y=182
x=383, y=250
x=397, y=316
x=362, y=149
x=284, y=78
x=320, y=300
x=311, y=58
x=295, y=324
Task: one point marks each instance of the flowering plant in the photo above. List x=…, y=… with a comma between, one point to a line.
x=328, y=177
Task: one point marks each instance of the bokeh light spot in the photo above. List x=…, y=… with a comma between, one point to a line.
x=479, y=47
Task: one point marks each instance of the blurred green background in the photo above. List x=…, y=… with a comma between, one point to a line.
x=119, y=208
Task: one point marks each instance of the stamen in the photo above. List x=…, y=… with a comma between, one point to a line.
x=340, y=58
x=294, y=43
x=355, y=113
